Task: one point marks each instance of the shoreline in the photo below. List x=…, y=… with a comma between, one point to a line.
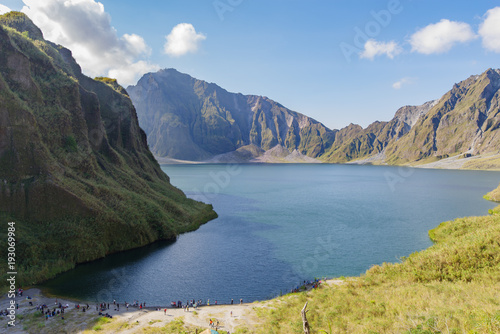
x=134, y=319
x=44, y=291
x=244, y=314
x=458, y=162
x=29, y=318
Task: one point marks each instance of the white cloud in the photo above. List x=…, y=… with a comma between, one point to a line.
x=136, y=45
x=374, y=48
x=85, y=28
x=399, y=84
x=4, y=9
x=183, y=39
x=490, y=30
x=441, y=37
x=128, y=73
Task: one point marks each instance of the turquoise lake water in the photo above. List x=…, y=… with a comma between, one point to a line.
x=281, y=224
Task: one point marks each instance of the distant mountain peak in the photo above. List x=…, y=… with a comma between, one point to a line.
x=464, y=121
x=190, y=119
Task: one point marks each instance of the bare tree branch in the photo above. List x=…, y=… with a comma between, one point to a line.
x=305, y=323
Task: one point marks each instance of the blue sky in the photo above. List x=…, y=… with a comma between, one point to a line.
x=288, y=50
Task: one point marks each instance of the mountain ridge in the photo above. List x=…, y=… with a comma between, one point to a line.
x=462, y=122
x=186, y=118
x=383, y=142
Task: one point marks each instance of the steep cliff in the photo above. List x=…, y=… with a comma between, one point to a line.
x=464, y=121
x=189, y=119
x=76, y=173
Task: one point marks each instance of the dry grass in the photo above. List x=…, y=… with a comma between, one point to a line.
x=484, y=163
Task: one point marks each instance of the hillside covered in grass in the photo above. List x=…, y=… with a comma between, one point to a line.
x=451, y=287
x=76, y=173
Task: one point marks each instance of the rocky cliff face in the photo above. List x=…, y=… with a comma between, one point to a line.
x=189, y=119
x=464, y=120
x=76, y=173
x=354, y=142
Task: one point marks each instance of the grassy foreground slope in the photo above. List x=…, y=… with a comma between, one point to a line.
x=451, y=287
x=76, y=173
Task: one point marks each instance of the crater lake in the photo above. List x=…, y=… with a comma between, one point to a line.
x=281, y=224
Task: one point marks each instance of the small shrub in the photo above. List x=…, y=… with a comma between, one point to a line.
x=70, y=144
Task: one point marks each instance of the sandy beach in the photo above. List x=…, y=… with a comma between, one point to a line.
x=131, y=320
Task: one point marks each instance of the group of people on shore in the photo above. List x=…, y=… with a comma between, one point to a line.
x=307, y=285
x=103, y=308
x=197, y=303
x=57, y=310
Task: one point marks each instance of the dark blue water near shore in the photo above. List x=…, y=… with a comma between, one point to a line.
x=280, y=224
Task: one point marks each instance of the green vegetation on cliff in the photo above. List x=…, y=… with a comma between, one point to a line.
x=465, y=120
x=76, y=173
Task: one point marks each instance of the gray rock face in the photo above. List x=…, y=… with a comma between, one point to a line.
x=189, y=119
x=410, y=114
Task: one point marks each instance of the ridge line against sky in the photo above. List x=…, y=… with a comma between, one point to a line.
x=335, y=61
